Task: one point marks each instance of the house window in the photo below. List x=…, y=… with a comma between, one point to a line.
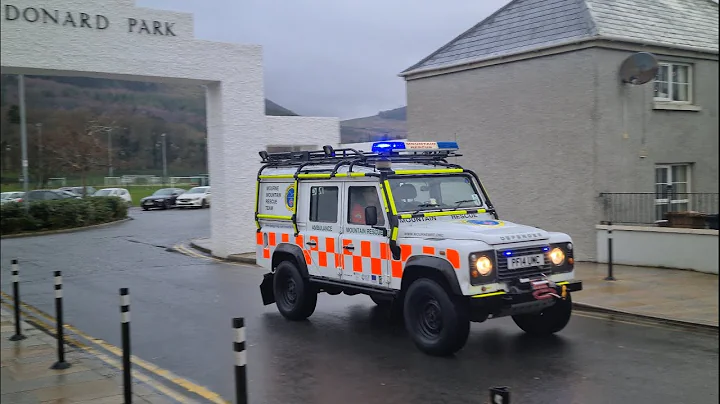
x=673, y=83
x=672, y=189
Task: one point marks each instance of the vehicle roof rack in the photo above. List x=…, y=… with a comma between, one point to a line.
x=329, y=155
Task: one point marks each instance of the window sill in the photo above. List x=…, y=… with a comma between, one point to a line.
x=669, y=106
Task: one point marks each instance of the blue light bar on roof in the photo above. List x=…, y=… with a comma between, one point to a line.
x=388, y=147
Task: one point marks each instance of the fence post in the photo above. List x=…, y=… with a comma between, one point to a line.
x=125, y=319
x=60, y=364
x=499, y=395
x=610, y=276
x=241, y=392
x=16, y=297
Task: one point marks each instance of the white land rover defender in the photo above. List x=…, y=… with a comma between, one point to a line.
x=410, y=230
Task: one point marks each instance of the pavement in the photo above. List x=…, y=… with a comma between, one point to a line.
x=27, y=377
x=673, y=295
x=350, y=350
x=678, y=296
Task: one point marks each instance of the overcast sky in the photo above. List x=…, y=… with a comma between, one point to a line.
x=335, y=57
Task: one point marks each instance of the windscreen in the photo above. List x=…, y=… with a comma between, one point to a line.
x=435, y=192
x=165, y=191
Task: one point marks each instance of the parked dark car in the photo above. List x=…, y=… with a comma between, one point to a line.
x=162, y=198
x=48, y=195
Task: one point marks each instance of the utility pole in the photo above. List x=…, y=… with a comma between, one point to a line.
x=23, y=139
x=164, y=155
x=40, y=153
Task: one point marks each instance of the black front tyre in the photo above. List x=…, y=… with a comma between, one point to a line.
x=438, y=323
x=547, y=322
x=204, y=204
x=294, y=296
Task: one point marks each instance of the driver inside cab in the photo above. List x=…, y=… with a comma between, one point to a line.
x=360, y=198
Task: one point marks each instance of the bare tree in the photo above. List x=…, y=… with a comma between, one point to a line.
x=78, y=144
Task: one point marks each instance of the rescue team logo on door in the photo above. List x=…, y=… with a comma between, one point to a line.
x=488, y=223
x=290, y=197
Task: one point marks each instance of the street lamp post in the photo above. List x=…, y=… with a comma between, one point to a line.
x=40, y=152
x=110, y=167
x=164, y=157
x=23, y=138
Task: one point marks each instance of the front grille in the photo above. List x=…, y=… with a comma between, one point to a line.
x=504, y=274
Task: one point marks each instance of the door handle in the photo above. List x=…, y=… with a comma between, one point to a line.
x=349, y=247
x=311, y=243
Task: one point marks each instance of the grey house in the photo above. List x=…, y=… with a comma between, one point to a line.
x=533, y=96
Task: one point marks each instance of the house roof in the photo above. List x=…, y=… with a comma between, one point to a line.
x=525, y=25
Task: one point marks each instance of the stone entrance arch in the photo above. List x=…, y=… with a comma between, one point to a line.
x=114, y=39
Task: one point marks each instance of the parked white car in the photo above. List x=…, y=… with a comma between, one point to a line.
x=198, y=197
x=119, y=192
x=6, y=197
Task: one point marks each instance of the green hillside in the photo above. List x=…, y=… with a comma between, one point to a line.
x=385, y=125
x=141, y=111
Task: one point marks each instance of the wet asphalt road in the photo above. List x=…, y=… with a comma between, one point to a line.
x=349, y=351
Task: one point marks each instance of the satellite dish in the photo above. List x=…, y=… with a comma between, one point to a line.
x=639, y=68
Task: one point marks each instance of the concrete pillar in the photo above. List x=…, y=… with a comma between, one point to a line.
x=236, y=132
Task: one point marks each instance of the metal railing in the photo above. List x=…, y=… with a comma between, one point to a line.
x=652, y=208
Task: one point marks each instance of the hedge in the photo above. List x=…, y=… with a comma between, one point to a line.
x=60, y=214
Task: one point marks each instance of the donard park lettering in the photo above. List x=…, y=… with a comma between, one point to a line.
x=39, y=15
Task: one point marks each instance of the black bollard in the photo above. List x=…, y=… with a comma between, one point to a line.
x=125, y=319
x=610, y=276
x=60, y=364
x=240, y=361
x=499, y=395
x=16, y=297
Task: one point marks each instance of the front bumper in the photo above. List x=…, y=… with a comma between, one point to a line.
x=529, y=298
x=189, y=202
x=150, y=203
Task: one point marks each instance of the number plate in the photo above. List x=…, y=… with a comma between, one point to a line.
x=526, y=261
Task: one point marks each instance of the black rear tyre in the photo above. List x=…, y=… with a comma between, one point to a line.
x=549, y=321
x=382, y=302
x=438, y=323
x=294, y=296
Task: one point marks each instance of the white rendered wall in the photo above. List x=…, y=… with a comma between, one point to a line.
x=667, y=247
x=233, y=74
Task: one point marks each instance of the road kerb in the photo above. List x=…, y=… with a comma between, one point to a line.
x=627, y=314
x=239, y=258
x=60, y=231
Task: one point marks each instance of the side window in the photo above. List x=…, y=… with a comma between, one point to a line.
x=359, y=199
x=324, y=204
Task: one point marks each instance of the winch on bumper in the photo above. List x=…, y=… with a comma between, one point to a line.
x=521, y=298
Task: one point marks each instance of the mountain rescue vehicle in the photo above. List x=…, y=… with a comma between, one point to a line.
x=414, y=232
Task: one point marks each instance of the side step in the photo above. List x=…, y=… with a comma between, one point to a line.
x=347, y=286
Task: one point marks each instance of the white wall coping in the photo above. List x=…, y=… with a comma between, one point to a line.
x=651, y=229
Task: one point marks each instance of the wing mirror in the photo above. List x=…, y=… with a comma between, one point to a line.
x=371, y=215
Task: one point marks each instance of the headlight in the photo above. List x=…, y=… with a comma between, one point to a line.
x=557, y=256
x=159, y=200
x=482, y=266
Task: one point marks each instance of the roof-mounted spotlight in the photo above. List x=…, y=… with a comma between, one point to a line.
x=263, y=155
x=329, y=151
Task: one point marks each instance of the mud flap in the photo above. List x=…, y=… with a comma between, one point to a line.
x=266, y=289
